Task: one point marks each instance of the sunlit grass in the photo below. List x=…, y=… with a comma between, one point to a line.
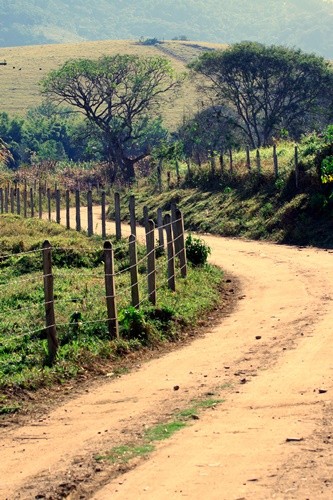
x=80, y=307
x=26, y=66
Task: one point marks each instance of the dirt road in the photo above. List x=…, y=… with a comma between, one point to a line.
x=270, y=361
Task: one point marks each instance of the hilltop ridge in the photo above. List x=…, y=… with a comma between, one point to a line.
x=306, y=24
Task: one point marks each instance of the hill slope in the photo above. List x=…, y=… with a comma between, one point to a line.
x=19, y=89
x=303, y=23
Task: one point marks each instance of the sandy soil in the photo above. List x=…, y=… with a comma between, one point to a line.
x=272, y=437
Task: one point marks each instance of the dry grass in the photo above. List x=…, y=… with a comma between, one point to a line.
x=19, y=88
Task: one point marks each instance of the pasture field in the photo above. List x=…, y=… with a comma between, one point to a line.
x=19, y=89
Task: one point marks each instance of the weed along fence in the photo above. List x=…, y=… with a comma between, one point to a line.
x=129, y=281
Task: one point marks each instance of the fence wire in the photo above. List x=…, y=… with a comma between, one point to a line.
x=83, y=302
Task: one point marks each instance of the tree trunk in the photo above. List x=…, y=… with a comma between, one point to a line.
x=128, y=169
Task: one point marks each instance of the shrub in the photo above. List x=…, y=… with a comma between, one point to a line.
x=196, y=250
x=133, y=325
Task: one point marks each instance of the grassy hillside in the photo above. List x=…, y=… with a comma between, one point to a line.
x=26, y=66
x=303, y=23
x=247, y=205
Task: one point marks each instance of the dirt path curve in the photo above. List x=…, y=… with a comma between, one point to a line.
x=273, y=386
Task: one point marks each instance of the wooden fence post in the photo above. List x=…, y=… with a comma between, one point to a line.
x=173, y=209
x=231, y=163
x=48, y=194
x=110, y=290
x=160, y=228
x=49, y=302
x=68, y=214
x=179, y=240
x=117, y=215
x=12, y=200
x=189, y=168
x=57, y=193
x=40, y=202
x=177, y=172
x=133, y=258
x=6, y=200
x=132, y=214
x=32, y=202
x=248, y=158
x=296, y=168
x=222, y=162
x=145, y=215
x=1, y=200
x=275, y=162
x=103, y=214
x=77, y=210
x=151, y=261
x=90, y=213
x=25, y=195
x=258, y=161
x=171, y=253
x=159, y=175
x=18, y=201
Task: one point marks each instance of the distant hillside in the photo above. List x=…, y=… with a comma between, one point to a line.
x=307, y=24
x=19, y=89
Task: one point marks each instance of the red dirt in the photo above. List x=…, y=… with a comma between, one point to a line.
x=272, y=437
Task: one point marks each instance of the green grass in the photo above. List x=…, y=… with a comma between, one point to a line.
x=197, y=406
x=6, y=410
x=80, y=304
x=164, y=431
x=125, y=453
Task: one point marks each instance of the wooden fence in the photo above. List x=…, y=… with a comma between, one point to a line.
x=170, y=226
x=31, y=202
x=226, y=161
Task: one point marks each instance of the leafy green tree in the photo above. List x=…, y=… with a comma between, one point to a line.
x=5, y=154
x=49, y=128
x=269, y=88
x=119, y=95
x=207, y=131
x=11, y=132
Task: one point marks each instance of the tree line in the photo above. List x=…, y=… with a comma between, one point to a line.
x=250, y=95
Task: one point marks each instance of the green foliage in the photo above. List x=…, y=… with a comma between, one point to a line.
x=327, y=169
x=317, y=150
x=133, y=325
x=127, y=90
x=268, y=88
x=209, y=130
x=197, y=251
